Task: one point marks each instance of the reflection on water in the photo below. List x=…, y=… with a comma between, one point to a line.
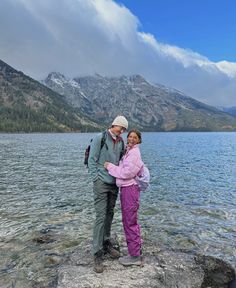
x=46, y=203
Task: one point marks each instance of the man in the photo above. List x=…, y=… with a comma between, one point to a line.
x=104, y=187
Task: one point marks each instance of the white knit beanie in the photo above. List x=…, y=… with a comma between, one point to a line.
x=120, y=121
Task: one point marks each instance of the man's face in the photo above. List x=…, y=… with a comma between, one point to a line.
x=118, y=130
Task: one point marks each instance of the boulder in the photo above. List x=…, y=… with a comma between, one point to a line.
x=161, y=268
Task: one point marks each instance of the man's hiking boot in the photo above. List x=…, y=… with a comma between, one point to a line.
x=109, y=249
x=131, y=261
x=98, y=262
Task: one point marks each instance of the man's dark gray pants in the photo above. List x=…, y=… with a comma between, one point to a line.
x=105, y=196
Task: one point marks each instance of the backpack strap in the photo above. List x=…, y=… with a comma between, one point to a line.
x=103, y=140
x=123, y=149
x=87, y=151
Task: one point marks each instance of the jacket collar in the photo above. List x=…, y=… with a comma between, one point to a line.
x=114, y=137
x=129, y=148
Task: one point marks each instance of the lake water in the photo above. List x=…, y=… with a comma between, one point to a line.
x=45, y=190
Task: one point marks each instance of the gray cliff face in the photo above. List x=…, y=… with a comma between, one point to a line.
x=147, y=106
x=70, y=89
x=161, y=268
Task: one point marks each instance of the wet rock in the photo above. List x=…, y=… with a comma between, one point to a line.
x=52, y=260
x=161, y=269
x=218, y=273
x=50, y=284
x=43, y=239
x=232, y=284
x=44, y=236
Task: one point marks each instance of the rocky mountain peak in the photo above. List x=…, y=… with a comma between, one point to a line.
x=138, y=79
x=56, y=75
x=57, y=78
x=147, y=106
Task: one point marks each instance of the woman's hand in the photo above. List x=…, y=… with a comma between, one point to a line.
x=106, y=164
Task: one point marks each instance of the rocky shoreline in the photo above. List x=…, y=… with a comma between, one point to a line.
x=162, y=268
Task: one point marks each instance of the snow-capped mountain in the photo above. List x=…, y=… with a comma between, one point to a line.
x=148, y=106
x=69, y=88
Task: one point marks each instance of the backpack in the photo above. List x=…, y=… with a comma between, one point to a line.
x=143, y=178
x=103, y=140
x=87, y=151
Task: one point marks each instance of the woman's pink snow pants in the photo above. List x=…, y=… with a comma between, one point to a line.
x=129, y=198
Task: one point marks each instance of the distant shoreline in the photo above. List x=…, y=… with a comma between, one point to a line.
x=72, y=132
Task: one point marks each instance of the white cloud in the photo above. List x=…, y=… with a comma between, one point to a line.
x=78, y=37
x=185, y=57
x=228, y=68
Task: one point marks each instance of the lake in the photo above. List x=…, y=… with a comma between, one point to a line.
x=46, y=199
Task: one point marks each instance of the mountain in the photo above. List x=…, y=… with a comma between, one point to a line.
x=28, y=106
x=149, y=107
x=229, y=110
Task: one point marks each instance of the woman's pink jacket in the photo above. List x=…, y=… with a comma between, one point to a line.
x=129, y=166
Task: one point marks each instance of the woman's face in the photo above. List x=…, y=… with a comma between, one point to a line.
x=132, y=139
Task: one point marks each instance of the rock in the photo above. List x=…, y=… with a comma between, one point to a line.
x=52, y=260
x=162, y=268
x=45, y=236
x=43, y=239
x=232, y=284
x=217, y=272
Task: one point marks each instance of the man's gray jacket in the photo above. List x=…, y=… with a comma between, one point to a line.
x=111, y=152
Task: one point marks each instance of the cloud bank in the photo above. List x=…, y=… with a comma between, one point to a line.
x=77, y=37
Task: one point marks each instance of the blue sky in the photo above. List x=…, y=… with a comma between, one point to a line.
x=205, y=26
x=186, y=45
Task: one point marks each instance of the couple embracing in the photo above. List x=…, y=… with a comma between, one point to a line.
x=113, y=166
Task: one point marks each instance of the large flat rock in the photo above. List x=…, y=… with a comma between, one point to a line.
x=162, y=268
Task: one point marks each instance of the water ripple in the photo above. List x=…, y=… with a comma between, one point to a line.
x=46, y=200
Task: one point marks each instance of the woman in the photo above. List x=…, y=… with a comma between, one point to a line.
x=129, y=166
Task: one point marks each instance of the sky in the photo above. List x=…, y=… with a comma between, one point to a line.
x=186, y=45
x=205, y=26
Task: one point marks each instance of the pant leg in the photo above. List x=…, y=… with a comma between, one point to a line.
x=130, y=197
x=105, y=196
x=100, y=205
x=111, y=202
